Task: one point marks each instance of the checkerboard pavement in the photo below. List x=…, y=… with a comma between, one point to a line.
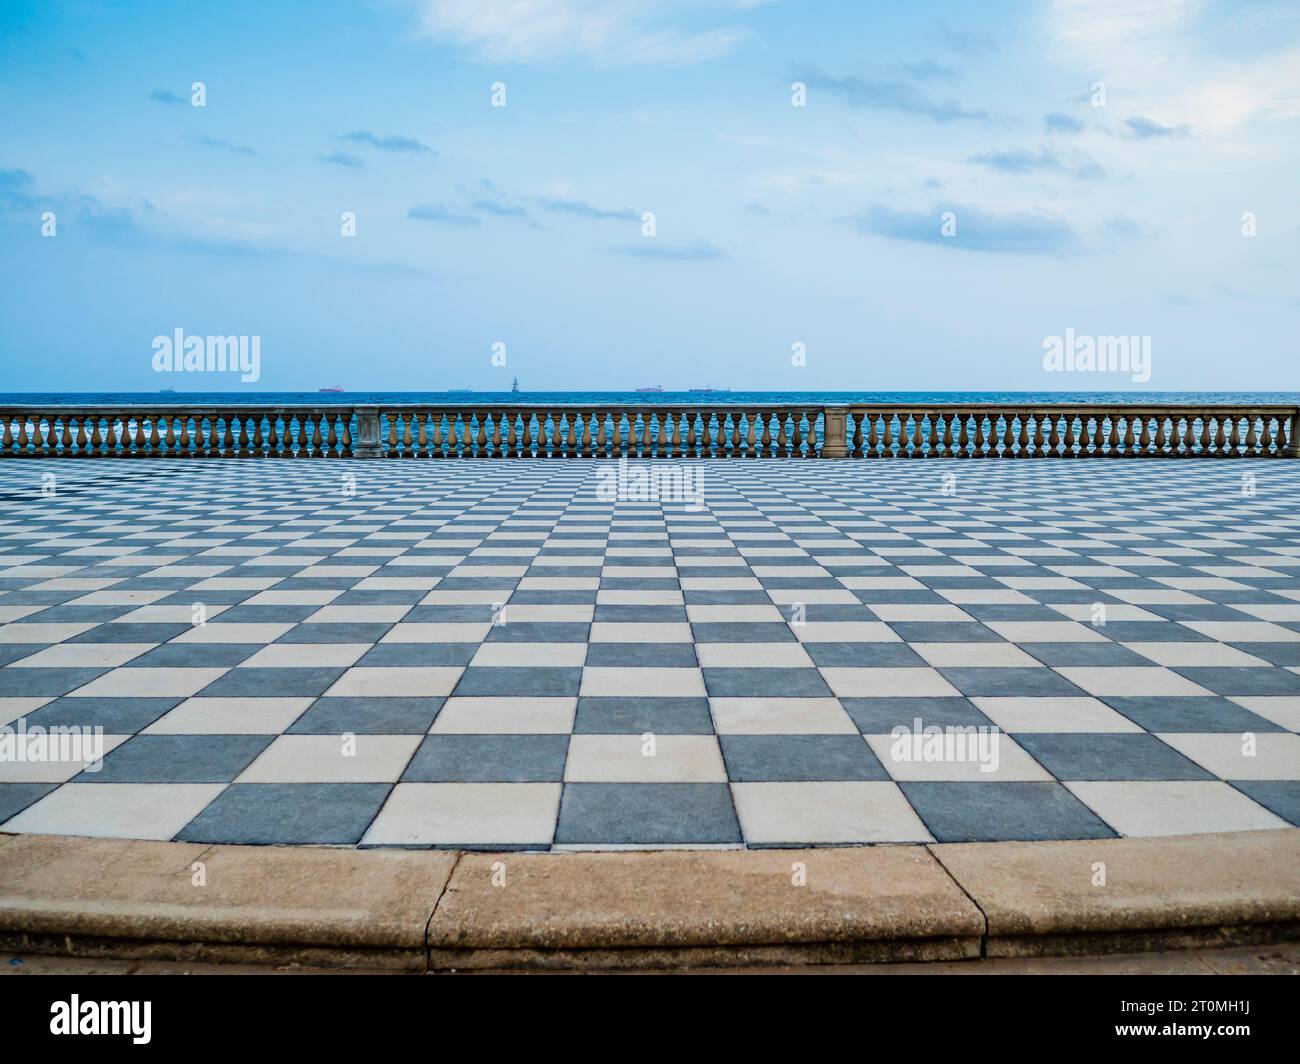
x=486, y=654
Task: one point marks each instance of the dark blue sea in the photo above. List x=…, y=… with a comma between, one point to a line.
x=734, y=398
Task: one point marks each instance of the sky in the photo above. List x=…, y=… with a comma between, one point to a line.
x=756, y=194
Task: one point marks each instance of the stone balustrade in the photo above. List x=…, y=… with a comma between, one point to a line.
x=652, y=431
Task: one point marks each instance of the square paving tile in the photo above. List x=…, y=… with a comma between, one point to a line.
x=1142, y=808
x=793, y=814
x=990, y=812
x=285, y=814
x=467, y=816
x=450, y=758
x=647, y=814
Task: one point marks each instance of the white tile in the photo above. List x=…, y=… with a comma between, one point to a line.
x=1182, y=807
x=636, y=759
x=116, y=810
x=826, y=813
x=450, y=814
x=332, y=759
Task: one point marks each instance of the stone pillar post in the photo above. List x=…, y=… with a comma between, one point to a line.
x=1293, y=445
x=367, y=443
x=833, y=432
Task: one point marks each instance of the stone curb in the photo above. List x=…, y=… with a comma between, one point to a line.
x=421, y=909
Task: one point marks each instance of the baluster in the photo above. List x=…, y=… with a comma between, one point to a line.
x=1252, y=440
x=512, y=446
x=586, y=433
x=1266, y=433
x=408, y=437
x=1022, y=450
x=1220, y=437
x=138, y=444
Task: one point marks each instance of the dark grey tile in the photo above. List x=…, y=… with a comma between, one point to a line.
x=789, y=758
x=647, y=814
x=488, y=759
x=997, y=812
x=302, y=814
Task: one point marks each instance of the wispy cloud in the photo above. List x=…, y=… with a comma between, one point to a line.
x=224, y=145
x=341, y=158
x=16, y=190
x=1058, y=122
x=1017, y=233
x=391, y=143
x=929, y=70
x=965, y=41
x=887, y=96
x=605, y=33
x=440, y=212
x=1122, y=227
x=166, y=96
x=499, y=209
x=1023, y=161
x=582, y=209
x=695, y=251
x=1145, y=128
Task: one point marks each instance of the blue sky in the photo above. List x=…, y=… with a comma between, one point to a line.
x=774, y=224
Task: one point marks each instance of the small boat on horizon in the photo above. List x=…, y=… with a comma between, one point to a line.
x=333, y=390
x=703, y=391
x=655, y=388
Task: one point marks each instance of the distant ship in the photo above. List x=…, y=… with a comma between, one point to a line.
x=335, y=389
x=656, y=388
x=166, y=391
x=707, y=390
x=514, y=385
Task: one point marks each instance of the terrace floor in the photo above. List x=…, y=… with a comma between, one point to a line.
x=488, y=654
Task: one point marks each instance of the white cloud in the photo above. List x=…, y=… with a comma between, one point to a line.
x=605, y=32
x=1159, y=60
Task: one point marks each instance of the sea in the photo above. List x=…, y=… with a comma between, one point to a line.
x=719, y=397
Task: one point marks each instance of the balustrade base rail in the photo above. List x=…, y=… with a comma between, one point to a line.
x=705, y=431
